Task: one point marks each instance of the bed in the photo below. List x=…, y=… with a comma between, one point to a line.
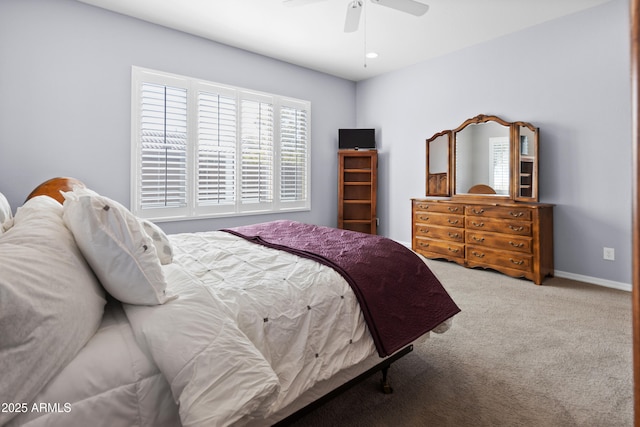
x=106, y=320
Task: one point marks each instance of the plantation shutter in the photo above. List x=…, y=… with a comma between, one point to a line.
x=293, y=154
x=216, y=158
x=499, y=159
x=257, y=151
x=163, y=138
x=202, y=149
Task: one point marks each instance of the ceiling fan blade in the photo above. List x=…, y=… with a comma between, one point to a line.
x=294, y=3
x=352, y=21
x=409, y=6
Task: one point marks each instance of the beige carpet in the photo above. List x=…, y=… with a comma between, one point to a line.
x=517, y=355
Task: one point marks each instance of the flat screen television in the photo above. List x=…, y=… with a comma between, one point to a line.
x=356, y=139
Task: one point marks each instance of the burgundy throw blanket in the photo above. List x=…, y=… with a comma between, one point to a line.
x=400, y=297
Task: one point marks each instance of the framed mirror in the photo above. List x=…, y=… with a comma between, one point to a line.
x=527, y=163
x=485, y=156
x=438, y=159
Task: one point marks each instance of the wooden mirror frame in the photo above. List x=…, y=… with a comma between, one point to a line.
x=475, y=190
x=523, y=170
x=525, y=177
x=438, y=184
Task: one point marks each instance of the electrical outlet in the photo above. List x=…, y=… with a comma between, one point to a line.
x=609, y=254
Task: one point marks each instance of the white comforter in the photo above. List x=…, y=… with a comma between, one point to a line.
x=251, y=330
x=110, y=383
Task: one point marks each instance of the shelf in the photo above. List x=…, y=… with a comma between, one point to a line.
x=360, y=161
x=357, y=178
x=353, y=177
x=361, y=227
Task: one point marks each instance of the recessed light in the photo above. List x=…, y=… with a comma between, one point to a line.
x=371, y=55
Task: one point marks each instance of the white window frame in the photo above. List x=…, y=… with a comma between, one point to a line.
x=193, y=209
x=499, y=157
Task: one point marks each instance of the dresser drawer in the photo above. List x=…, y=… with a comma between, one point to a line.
x=438, y=219
x=438, y=207
x=435, y=248
x=441, y=233
x=477, y=255
x=500, y=241
x=520, y=228
x=505, y=212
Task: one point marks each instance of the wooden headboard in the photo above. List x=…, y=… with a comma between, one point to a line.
x=53, y=186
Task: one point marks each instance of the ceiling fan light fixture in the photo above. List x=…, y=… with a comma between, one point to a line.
x=352, y=20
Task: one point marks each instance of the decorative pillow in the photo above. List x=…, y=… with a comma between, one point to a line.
x=51, y=303
x=116, y=246
x=5, y=214
x=160, y=241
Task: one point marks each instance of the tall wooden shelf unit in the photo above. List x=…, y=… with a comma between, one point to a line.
x=357, y=185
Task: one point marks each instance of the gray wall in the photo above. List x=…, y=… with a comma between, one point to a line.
x=65, y=110
x=65, y=99
x=570, y=77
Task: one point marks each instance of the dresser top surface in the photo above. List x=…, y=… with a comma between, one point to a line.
x=488, y=201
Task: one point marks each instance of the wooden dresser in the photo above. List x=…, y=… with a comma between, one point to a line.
x=513, y=238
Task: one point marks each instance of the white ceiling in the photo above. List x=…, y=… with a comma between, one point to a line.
x=312, y=35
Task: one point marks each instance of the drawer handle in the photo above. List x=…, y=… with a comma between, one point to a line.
x=516, y=214
x=520, y=262
x=478, y=254
x=424, y=206
x=514, y=228
x=453, y=209
x=423, y=218
x=454, y=235
x=424, y=245
x=478, y=239
x=516, y=245
x=455, y=251
x=424, y=230
x=477, y=224
x=477, y=211
x=452, y=222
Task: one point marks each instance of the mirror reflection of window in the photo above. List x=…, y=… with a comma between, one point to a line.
x=477, y=163
x=499, y=164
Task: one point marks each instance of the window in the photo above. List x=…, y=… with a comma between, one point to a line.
x=201, y=149
x=499, y=164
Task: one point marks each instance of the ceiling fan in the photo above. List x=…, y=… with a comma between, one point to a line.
x=354, y=9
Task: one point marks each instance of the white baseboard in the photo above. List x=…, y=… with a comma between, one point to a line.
x=594, y=280
x=579, y=277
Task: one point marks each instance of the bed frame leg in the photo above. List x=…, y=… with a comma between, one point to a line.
x=386, y=388
x=384, y=382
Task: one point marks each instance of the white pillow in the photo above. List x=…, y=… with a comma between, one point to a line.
x=51, y=303
x=160, y=241
x=6, y=216
x=118, y=250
